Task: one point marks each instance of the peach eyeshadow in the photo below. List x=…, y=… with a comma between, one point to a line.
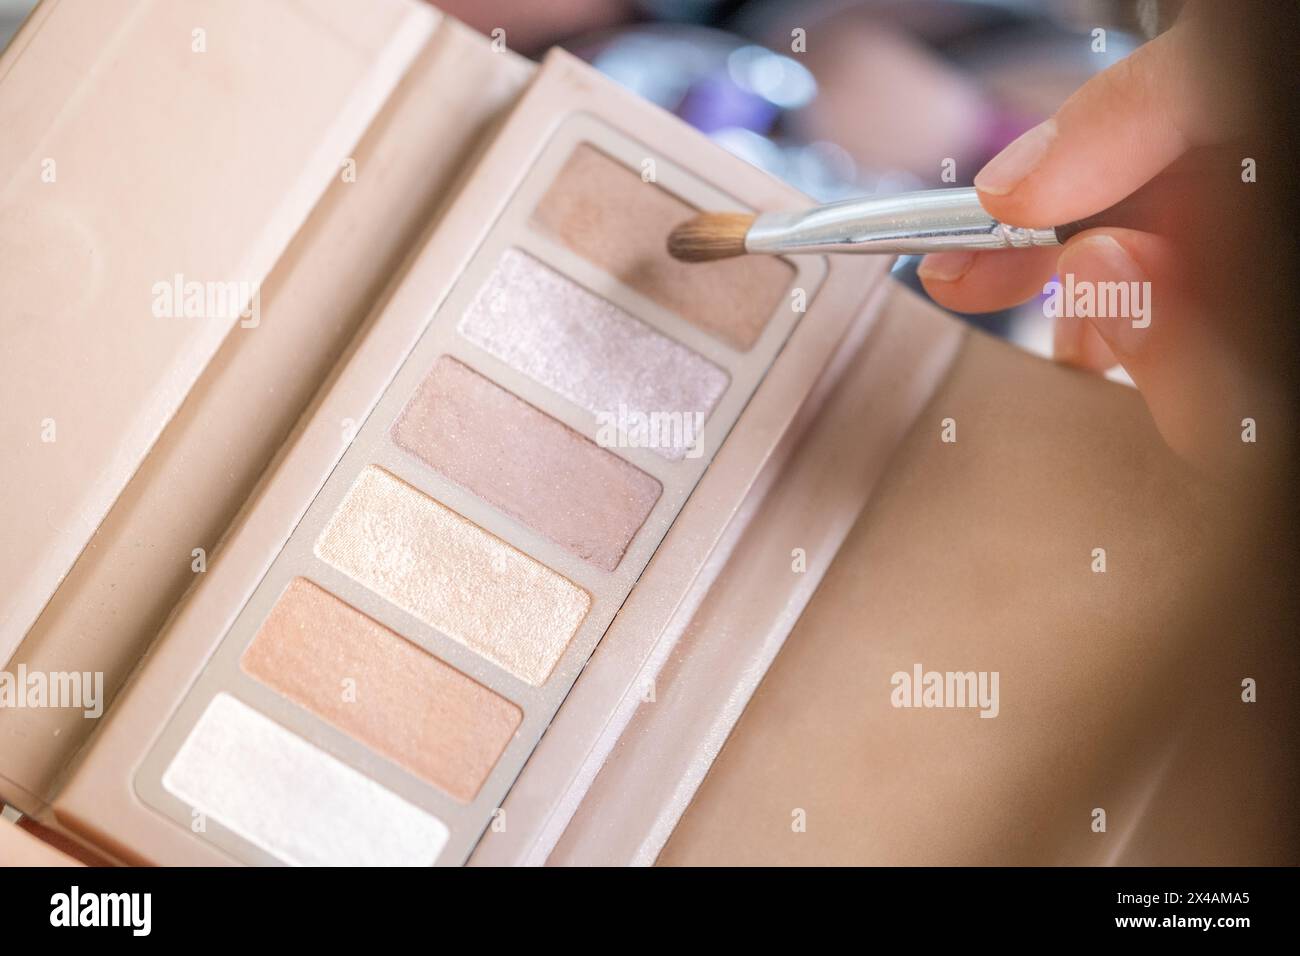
x=381, y=689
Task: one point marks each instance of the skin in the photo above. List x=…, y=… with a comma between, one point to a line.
x=1120, y=691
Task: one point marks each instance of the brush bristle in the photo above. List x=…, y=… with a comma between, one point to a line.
x=709, y=236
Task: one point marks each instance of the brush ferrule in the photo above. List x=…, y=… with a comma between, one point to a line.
x=907, y=224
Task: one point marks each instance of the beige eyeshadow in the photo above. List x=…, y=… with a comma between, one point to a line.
x=603, y=211
x=582, y=497
x=452, y=575
x=376, y=686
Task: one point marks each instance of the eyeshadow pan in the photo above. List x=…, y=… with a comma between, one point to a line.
x=588, y=501
x=292, y=800
x=606, y=213
x=587, y=349
x=383, y=690
x=452, y=575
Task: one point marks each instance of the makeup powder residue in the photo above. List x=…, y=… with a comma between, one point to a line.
x=452, y=575
x=542, y=324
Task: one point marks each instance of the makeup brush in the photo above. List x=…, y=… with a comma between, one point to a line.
x=936, y=220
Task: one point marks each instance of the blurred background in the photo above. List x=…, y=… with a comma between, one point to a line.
x=842, y=97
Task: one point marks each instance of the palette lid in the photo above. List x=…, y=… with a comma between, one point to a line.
x=109, y=318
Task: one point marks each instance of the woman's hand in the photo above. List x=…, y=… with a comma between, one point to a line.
x=1118, y=132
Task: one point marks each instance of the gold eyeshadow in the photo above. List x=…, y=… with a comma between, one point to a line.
x=452, y=575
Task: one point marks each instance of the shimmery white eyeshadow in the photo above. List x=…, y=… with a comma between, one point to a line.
x=589, y=350
x=292, y=800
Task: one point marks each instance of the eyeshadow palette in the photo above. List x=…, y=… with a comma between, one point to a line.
x=490, y=516
x=530, y=453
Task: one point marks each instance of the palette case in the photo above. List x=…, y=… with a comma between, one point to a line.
x=459, y=190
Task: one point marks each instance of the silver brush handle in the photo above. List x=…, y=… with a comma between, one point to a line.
x=909, y=224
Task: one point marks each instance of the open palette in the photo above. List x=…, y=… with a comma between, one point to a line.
x=532, y=450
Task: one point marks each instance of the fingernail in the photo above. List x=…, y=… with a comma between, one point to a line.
x=945, y=266
x=1005, y=171
x=1099, y=257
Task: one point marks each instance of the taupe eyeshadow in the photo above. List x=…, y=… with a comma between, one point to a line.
x=606, y=213
x=585, y=499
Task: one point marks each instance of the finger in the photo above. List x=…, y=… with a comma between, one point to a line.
x=1077, y=342
x=1110, y=137
x=986, y=281
x=1195, y=388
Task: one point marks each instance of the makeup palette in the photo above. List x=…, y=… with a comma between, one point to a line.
x=490, y=516
x=431, y=623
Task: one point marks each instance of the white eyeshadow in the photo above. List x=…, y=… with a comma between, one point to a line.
x=590, y=351
x=292, y=800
